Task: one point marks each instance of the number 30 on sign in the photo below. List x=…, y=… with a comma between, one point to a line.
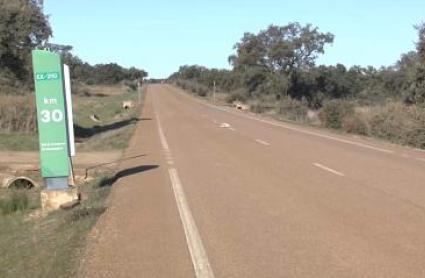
x=55, y=115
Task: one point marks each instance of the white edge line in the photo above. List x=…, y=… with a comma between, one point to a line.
x=328, y=169
x=164, y=142
x=197, y=252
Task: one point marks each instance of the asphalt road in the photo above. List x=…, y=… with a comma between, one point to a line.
x=234, y=195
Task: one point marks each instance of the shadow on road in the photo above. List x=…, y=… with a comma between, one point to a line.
x=111, y=163
x=126, y=173
x=87, y=132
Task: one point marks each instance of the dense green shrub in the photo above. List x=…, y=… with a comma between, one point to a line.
x=193, y=87
x=237, y=95
x=334, y=112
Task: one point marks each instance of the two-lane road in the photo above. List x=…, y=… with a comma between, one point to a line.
x=259, y=198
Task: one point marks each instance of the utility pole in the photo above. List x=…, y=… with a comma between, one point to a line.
x=139, y=91
x=214, y=92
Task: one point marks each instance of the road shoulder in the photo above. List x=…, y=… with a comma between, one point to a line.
x=140, y=235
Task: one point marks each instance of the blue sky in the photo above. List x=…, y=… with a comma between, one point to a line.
x=161, y=35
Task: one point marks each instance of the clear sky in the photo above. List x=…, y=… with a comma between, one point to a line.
x=161, y=35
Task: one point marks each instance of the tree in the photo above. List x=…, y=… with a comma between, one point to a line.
x=416, y=91
x=421, y=43
x=289, y=50
x=281, y=49
x=23, y=26
x=136, y=74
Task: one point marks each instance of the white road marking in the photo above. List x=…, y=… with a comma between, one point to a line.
x=168, y=157
x=323, y=136
x=225, y=125
x=164, y=142
x=262, y=142
x=328, y=169
x=197, y=252
x=358, y=144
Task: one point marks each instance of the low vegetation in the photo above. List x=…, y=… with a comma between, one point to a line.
x=114, y=124
x=15, y=201
x=50, y=246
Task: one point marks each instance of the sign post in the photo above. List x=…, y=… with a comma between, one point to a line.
x=51, y=118
x=69, y=113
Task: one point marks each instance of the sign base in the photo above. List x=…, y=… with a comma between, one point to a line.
x=54, y=199
x=60, y=183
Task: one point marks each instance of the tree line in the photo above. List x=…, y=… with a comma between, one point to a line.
x=280, y=62
x=24, y=27
x=111, y=73
x=275, y=72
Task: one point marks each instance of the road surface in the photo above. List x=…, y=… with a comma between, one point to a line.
x=221, y=193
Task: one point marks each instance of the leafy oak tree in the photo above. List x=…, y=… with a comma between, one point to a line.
x=23, y=26
x=418, y=84
x=281, y=49
x=286, y=51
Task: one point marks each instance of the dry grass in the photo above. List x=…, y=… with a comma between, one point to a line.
x=393, y=121
x=17, y=114
x=396, y=122
x=102, y=90
x=18, y=118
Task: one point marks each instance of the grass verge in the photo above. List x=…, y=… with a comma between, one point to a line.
x=115, y=125
x=48, y=246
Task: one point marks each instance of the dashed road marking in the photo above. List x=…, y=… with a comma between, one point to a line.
x=197, y=252
x=323, y=167
x=324, y=136
x=259, y=141
x=358, y=144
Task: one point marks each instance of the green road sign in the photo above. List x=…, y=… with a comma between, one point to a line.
x=51, y=117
